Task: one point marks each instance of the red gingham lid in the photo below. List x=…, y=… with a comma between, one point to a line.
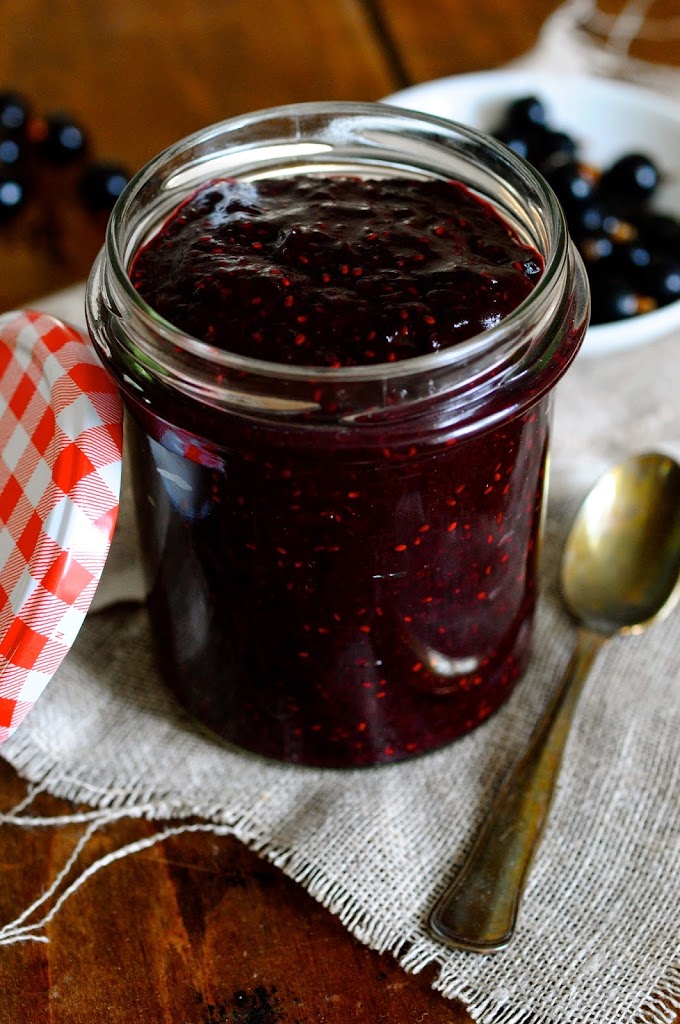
x=60, y=463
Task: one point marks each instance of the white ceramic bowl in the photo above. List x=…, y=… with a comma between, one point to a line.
x=606, y=118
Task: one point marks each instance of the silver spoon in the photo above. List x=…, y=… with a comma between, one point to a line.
x=620, y=572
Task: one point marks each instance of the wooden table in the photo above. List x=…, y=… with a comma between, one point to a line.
x=198, y=930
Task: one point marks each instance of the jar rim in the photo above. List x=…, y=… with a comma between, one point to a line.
x=501, y=338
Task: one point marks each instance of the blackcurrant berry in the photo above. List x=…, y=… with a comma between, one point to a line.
x=12, y=198
x=595, y=249
x=14, y=112
x=634, y=256
x=660, y=230
x=551, y=148
x=595, y=218
x=632, y=178
x=663, y=279
x=101, y=184
x=10, y=152
x=60, y=140
x=613, y=298
x=573, y=183
x=516, y=141
x=525, y=113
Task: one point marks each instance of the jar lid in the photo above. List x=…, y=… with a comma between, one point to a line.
x=60, y=465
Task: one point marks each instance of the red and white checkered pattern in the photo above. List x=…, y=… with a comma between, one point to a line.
x=60, y=462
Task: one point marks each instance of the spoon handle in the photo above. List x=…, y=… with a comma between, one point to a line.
x=479, y=909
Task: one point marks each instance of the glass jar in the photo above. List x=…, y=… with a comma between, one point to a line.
x=342, y=563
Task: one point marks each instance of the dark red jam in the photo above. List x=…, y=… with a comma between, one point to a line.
x=325, y=593
x=334, y=271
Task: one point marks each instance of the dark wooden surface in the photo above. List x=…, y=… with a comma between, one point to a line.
x=198, y=930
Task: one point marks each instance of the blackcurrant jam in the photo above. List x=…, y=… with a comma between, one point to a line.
x=334, y=271
x=338, y=354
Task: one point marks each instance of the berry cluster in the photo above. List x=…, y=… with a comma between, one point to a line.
x=631, y=251
x=30, y=143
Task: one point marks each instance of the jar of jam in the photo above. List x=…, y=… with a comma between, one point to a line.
x=337, y=329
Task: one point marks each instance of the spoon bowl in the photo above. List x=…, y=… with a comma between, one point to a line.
x=620, y=572
x=621, y=563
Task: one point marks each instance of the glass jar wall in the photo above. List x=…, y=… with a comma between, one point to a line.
x=342, y=561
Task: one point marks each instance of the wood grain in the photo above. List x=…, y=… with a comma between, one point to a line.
x=198, y=930
x=468, y=35
x=142, y=75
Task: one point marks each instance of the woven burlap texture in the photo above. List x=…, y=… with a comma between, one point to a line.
x=599, y=933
